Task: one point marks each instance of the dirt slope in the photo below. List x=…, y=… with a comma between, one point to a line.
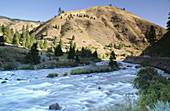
x=97, y=27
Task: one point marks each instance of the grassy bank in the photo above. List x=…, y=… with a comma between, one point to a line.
x=93, y=69
x=12, y=58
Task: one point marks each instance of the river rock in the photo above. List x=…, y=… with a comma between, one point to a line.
x=54, y=107
x=129, y=66
x=19, y=79
x=3, y=82
x=137, y=67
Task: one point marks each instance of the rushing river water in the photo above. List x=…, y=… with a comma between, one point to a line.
x=35, y=92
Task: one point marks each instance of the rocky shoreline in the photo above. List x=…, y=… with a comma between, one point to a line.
x=158, y=62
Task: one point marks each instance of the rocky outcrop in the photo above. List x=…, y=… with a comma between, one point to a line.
x=54, y=107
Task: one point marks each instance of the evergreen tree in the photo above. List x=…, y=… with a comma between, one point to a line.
x=61, y=43
x=168, y=23
x=71, y=53
x=27, y=28
x=95, y=54
x=77, y=58
x=24, y=41
x=58, y=51
x=33, y=55
x=160, y=32
x=2, y=41
x=71, y=44
x=45, y=44
x=152, y=35
x=12, y=33
x=32, y=39
x=73, y=37
x=59, y=10
x=55, y=41
x=46, y=31
x=74, y=46
x=27, y=44
x=112, y=58
x=41, y=44
x=16, y=39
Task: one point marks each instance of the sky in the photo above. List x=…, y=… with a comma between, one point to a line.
x=155, y=11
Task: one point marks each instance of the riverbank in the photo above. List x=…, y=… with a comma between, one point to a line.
x=158, y=62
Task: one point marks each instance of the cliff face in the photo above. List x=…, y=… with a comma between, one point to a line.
x=97, y=27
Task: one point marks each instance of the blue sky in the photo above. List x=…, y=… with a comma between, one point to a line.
x=155, y=11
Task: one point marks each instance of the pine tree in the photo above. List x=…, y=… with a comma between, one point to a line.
x=74, y=45
x=59, y=10
x=160, y=32
x=58, y=51
x=46, y=31
x=32, y=39
x=27, y=44
x=61, y=43
x=45, y=44
x=41, y=44
x=55, y=41
x=24, y=41
x=2, y=41
x=16, y=39
x=112, y=58
x=71, y=53
x=77, y=58
x=73, y=37
x=168, y=23
x=33, y=55
x=27, y=28
x=95, y=54
x=152, y=35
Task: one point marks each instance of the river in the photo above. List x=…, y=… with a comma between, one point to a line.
x=31, y=90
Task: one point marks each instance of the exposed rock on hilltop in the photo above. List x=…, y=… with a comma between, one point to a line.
x=97, y=27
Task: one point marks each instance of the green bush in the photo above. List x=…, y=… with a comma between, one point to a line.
x=152, y=87
x=65, y=74
x=52, y=75
x=10, y=66
x=160, y=106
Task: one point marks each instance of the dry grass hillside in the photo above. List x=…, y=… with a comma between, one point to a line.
x=97, y=27
x=17, y=24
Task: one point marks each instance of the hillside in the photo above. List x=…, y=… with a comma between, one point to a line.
x=17, y=24
x=159, y=49
x=97, y=27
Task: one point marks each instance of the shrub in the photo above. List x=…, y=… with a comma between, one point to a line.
x=65, y=74
x=52, y=75
x=10, y=66
x=152, y=87
x=160, y=106
x=121, y=46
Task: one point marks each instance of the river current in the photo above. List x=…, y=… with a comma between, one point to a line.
x=31, y=90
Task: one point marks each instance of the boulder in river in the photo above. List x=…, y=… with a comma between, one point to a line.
x=3, y=82
x=54, y=107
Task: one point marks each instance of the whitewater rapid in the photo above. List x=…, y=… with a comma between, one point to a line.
x=31, y=90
